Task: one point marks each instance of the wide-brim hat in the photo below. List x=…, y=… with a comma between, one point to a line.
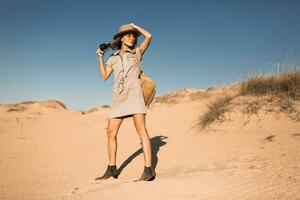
x=126, y=28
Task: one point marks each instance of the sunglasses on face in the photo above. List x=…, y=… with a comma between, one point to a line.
x=131, y=34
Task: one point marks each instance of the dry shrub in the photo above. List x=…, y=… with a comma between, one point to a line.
x=283, y=89
x=168, y=98
x=96, y=109
x=28, y=102
x=198, y=95
x=62, y=104
x=181, y=95
x=286, y=83
x=105, y=106
x=49, y=104
x=285, y=103
x=210, y=89
x=216, y=110
x=16, y=108
x=251, y=107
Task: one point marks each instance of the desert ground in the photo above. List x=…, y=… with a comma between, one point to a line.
x=250, y=151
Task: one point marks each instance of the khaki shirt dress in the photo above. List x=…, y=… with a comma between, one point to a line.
x=127, y=94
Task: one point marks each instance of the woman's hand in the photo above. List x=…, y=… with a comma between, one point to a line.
x=133, y=25
x=100, y=53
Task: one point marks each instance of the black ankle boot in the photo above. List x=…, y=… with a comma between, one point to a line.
x=110, y=171
x=148, y=174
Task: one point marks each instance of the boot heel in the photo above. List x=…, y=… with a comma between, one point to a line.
x=110, y=171
x=148, y=174
x=115, y=176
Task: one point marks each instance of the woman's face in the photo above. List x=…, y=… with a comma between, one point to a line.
x=129, y=39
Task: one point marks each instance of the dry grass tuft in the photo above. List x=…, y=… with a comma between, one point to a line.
x=181, y=95
x=20, y=107
x=216, y=110
x=172, y=97
x=96, y=109
x=199, y=95
x=286, y=83
x=17, y=108
x=283, y=89
x=28, y=102
x=251, y=107
x=166, y=99
x=49, y=104
x=105, y=106
x=210, y=89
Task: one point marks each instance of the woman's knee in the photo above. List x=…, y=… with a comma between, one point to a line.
x=142, y=131
x=111, y=132
x=113, y=127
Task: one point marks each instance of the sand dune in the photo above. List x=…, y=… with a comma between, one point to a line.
x=49, y=152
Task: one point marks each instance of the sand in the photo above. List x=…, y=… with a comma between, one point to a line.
x=49, y=152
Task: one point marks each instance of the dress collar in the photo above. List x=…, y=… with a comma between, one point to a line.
x=131, y=51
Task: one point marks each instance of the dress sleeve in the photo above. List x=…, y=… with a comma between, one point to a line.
x=109, y=62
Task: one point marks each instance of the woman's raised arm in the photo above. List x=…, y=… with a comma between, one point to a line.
x=147, y=35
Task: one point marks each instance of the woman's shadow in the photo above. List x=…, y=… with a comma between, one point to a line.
x=156, y=143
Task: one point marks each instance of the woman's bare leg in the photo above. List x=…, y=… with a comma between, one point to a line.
x=140, y=125
x=112, y=131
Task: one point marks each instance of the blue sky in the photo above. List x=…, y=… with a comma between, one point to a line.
x=48, y=48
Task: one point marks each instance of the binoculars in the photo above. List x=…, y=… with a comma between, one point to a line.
x=105, y=46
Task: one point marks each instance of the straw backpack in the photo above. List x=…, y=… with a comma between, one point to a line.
x=148, y=84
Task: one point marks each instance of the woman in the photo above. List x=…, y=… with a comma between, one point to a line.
x=127, y=99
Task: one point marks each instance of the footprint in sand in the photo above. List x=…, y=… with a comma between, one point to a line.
x=97, y=186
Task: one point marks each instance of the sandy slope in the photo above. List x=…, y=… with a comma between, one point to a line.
x=53, y=153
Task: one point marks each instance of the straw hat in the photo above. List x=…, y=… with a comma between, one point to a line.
x=125, y=28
